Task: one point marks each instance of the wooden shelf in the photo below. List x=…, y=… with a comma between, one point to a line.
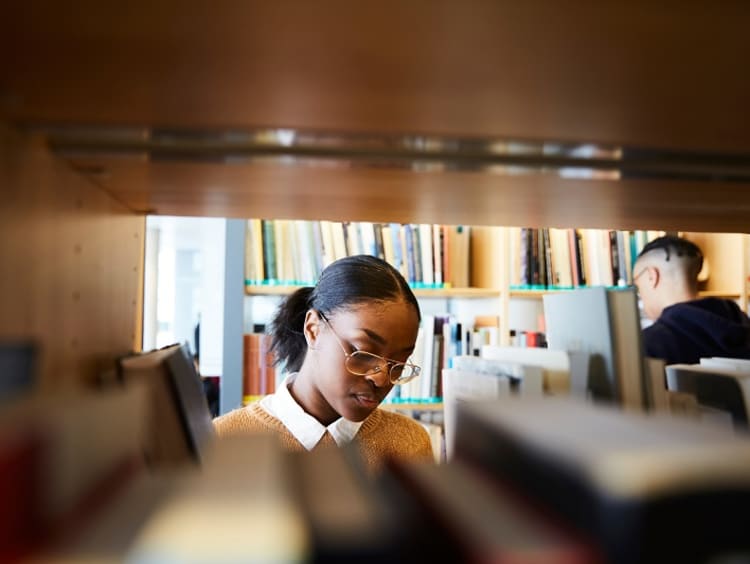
x=534, y=294
x=458, y=293
x=262, y=290
x=538, y=294
x=413, y=406
x=237, y=81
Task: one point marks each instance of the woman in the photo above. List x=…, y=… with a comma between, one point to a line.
x=345, y=343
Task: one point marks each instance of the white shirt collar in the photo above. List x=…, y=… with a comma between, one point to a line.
x=305, y=428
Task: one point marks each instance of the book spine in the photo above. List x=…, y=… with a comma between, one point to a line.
x=379, y=243
x=269, y=251
x=614, y=257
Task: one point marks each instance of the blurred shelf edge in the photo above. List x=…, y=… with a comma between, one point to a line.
x=283, y=290
x=539, y=293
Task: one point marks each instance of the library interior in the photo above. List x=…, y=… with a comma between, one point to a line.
x=172, y=172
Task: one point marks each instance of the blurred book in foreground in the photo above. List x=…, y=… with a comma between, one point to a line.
x=642, y=488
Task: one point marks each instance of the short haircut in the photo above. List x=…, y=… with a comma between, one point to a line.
x=672, y=245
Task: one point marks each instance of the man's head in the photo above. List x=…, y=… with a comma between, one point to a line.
x=666, y=273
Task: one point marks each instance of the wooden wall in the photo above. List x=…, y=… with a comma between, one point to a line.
x=70, y=264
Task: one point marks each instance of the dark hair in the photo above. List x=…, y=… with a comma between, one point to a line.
x=345, y=282
x=677, y=246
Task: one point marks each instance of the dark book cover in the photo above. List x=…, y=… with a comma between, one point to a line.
x=536, y=277
x=640, y=489
x=379, y=246
x=410, y=257
x=580, y=258
x=180, y=425
x=417, y=253
x=549, y=269
x=614, y=255
x=269, y=250
x=481, y=519
x=526, y=257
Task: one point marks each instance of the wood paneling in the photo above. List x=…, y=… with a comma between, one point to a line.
x=665, y=74
x=639, y=73
x=298, y=192
x=71, y=263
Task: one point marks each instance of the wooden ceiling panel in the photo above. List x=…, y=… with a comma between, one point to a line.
x=665, y=74
x=299, y=192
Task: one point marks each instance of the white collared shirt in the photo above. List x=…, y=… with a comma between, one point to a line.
x=305, y=428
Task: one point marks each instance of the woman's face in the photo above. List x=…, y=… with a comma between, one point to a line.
x=387, y=329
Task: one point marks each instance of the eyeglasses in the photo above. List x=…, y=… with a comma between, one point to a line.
x=363, y=363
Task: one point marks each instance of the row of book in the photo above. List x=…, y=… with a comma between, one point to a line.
x=568, y=258
x=440, y=338
x=529, y=482
x=77, y=466
x=294, y=252
x=259, y=373
x=83, y=477
x=719, y=388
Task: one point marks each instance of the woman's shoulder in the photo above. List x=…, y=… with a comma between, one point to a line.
x=242, y=420
x=395, y=422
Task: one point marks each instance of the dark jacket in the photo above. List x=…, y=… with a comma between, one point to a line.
x=688, y=331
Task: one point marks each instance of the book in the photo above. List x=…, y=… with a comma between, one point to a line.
x=486, y=521
x=464, y=385
x=239, y=508
x=474, y=378
x=338, y=232
x=426, y=254
x=641, y=488
x=559, y=367
x=254, y=273
x=656, y=385
x=268, y=372
x=305, y=252
x=20, y=515
x=459, y=239
x=725, y=363
x=717, y=385
x=284, y=251
x=269, y=250
x=179, y=421
x=427, y=362
x=342, y=507
x=604, y=323
x=109, y=535
x=63, y=458
x=251, y=379
x=627, y=340
x=258, y=370
x=329, y=250
x=380, y=236
x=562, y=259
x=18, y=366
x=438, y=236
x=523, y=379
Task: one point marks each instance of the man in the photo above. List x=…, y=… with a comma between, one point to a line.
x=685, y=328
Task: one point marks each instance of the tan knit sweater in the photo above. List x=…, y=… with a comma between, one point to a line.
x=382, y=435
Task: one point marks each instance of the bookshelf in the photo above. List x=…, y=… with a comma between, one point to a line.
x=497, y=252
